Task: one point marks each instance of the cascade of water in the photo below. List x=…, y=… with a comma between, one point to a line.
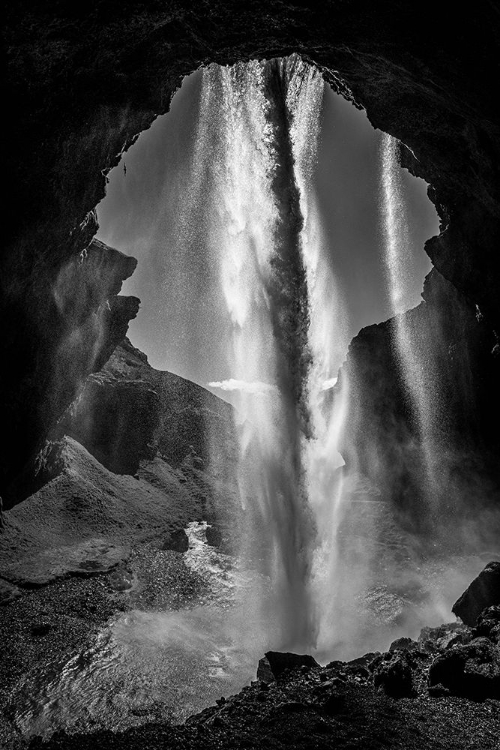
x=261, y=282
x=287, y=328
x=328, y=340
x=411, y=352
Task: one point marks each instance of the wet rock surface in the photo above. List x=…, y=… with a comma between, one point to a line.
x=176, y=540
x=459, y=381
x=389, y=702
x=428, y=692
x=483, y=592
x=276, y=663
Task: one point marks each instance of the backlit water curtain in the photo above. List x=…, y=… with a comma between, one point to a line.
x=256, y=150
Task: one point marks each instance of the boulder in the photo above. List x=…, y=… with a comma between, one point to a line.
x=177, y=541
x=470, y=671
x=393, y=672
x=275, y=663
x=483, y=592
x=213, y=536
x=488, y=624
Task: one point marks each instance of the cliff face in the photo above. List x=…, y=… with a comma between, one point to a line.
x=84, y=80
x=453, y=368
x=58, y=332
x=130, y=412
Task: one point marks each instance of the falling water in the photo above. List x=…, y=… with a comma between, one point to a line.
x=411, y=352
x=327, y=341
x=255, y=231
x=288, y=335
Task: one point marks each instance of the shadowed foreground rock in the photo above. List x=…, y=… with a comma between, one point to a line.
x=439, y=692
x=484, y=591
x=275, y=663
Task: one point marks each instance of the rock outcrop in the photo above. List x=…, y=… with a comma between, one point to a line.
x=483, y=592
x=422, y=433
x=85, y=520
x=426, y=694
x=59, y=336
x=82, y=83
x=275, y=663
x=130, y=412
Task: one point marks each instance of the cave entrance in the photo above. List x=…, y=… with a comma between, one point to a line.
x=260, y=161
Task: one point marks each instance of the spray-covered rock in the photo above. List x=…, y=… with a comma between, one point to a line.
x=484, y=591
x=275, y=663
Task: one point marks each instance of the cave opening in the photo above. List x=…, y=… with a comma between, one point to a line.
x=112, y=536
x=364, y=222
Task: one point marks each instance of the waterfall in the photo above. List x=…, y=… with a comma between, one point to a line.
x=254, y=233
x=261, y=121
x=327, y=342
x=410, y=343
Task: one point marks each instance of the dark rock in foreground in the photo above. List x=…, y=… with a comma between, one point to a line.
x=275, y=663
x=484, y=591
x=177, y=541
x=382, y=701
x=471, y=670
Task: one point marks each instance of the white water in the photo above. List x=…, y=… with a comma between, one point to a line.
x=328, y=340
x=414, y=356
x=294, y=511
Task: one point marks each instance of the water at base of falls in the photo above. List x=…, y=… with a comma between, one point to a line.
x=154, y=665
x=165, y=665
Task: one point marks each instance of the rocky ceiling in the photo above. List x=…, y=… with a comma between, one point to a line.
x=85, y=78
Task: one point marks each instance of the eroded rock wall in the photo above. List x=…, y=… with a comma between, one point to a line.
x=427, y=445
x=60, y=331
x=129, y=412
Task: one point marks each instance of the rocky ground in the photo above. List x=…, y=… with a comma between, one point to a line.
x=88, y=545
x=441, y=691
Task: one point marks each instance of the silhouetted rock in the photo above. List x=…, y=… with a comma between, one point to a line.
x=457, y=379
x=394, y=673
x=488, y=624
x=275, y=663
x=84, y=319
x=213, y=536
x=483, y=592
x=177, y=541
x=471, y=671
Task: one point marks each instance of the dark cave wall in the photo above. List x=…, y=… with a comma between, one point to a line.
x=84, y=79
x=455, y=473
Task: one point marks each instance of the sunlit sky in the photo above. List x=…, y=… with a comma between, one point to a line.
x=179, y=325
